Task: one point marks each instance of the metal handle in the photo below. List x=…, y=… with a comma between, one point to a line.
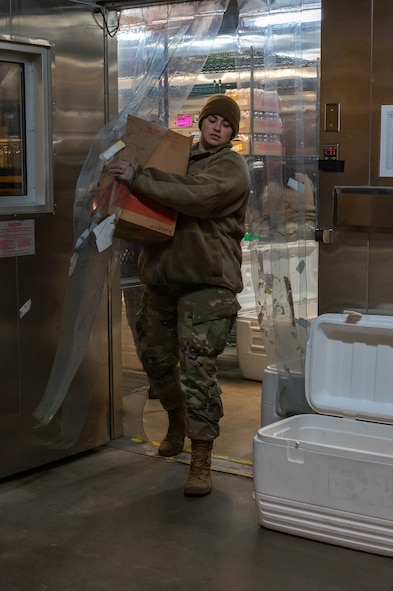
x=324, y=235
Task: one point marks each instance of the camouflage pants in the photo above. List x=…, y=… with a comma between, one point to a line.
x=181, y=331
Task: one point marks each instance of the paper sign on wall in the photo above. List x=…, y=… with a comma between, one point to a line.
x=17, y=238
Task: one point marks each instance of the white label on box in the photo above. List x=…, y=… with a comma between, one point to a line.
x=296, y=185
x=110, y=152
x=104, y=232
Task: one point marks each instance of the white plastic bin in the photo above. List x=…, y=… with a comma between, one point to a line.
x=246, y=297
x=250, y=347
x=283, y=393
x=249, y=343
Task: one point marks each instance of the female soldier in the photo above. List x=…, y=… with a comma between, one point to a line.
x=189, y=304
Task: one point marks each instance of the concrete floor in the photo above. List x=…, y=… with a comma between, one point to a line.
x=116, y=519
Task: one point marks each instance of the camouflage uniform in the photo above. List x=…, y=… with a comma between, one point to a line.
x=191, y=280
x=181, y=331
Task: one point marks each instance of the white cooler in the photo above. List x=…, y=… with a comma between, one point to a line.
x=329, y=476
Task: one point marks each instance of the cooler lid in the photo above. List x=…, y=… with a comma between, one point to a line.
x=349, y=366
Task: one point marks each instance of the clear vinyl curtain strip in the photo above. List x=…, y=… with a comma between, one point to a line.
x=282, y=40
x=178, y=40
x=162, y=49
x=165, y=49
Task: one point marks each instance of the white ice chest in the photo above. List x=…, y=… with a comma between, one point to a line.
x=330, y=478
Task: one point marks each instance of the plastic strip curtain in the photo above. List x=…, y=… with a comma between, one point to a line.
x=280, y=39
x=167, y=48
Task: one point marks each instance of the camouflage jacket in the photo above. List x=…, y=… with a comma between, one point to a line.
x=211, y=202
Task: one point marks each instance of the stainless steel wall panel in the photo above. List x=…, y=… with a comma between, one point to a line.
x=80, y=105
x=345, y=79
x=380, y=275
x=365, y=208
x=10, y=448
x=343, y=283
x=357, y=73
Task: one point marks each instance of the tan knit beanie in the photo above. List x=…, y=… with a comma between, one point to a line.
x=224, y=106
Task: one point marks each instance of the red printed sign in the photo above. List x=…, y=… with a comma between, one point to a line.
x=17, y=238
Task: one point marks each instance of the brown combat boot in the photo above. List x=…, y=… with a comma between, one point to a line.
x=173, y=442
x=199, y=482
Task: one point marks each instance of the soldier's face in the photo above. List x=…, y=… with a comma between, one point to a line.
x=215, y=132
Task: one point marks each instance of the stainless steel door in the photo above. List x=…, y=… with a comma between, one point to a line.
x=356, y=74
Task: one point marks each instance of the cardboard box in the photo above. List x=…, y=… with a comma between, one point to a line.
x=145, y=222
x=150, y=146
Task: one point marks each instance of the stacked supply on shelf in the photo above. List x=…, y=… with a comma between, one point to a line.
x=260, y=129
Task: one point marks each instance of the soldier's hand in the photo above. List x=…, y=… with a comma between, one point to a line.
x=123, y=171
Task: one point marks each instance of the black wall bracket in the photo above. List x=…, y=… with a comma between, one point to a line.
x=331, y=165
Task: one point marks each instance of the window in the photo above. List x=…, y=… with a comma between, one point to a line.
x=25, y=154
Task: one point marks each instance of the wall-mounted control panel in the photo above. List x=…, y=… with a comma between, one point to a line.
x=330, y=152
x=330, y=161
